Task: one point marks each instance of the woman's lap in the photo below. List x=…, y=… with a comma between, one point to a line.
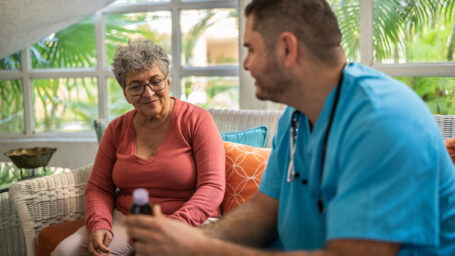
x=77, y=243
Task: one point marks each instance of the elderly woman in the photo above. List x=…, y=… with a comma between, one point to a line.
x=170, y=147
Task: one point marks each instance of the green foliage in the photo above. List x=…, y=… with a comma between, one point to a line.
x=437, y=92
x=117, y=103
x=73, y=47
x=122, y=27
x=407, y=31
x=404, y=31
x=190, y=39
x=9, y=173
x=396, y=23
x=11, y=62
x=220, y=92
x=11, y=112
x=348, y=15
x=63, y=102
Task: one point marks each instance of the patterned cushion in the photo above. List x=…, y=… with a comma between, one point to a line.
x=244, y=168
x=450, y=145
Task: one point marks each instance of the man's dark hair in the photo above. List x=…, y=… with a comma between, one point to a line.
x=311, y=21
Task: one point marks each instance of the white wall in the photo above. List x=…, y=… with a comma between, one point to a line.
x=71, y=153
x=23, y=22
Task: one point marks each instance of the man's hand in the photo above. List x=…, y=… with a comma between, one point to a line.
x=99, y=241
x=159, y=235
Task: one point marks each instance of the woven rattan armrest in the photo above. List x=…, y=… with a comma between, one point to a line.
x=48, y=200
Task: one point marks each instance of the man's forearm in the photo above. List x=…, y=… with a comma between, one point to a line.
x=253, y=224
x=216, y=247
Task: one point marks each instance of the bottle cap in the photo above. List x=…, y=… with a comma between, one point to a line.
x=140, y=196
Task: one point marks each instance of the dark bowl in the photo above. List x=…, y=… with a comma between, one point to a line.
x=29, y=158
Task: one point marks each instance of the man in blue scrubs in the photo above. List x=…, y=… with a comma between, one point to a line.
x=358, y=165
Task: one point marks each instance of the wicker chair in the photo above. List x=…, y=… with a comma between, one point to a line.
x=447, y=125
x=11, y=236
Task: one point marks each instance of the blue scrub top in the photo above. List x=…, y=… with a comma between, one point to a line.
x=387, y=174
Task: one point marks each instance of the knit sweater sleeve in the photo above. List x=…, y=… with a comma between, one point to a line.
x=209, y=156
x=100, y=189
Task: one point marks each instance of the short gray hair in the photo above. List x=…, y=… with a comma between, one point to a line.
x=138, y=55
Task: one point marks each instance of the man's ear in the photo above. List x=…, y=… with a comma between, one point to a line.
x=287, y=49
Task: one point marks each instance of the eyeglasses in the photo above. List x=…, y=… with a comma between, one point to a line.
x=139, y=89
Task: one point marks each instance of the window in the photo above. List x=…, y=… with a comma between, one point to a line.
x=60, y=84
x=73, y=47
x=413, y=41
x=65, y=104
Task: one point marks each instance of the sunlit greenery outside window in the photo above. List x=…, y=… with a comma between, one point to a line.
x=12, y=107
x=73, y=47
x=404, y=32
x=9, y=173
x=211, y=92
x=209, y=37
x=117, y=103
x=418, y=32
x=139, y=1
x=348, y=15
x=120, y=28
x=408, y=31
x=11, y=62
x=65, y=104
x=437, y=92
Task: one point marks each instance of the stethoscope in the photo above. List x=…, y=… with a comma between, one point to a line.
x=292, y=175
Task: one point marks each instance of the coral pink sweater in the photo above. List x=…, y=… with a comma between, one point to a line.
x=186, y=175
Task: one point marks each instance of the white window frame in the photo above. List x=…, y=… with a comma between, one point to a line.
x=102, y=72
x=405, y=69
x=246, y=88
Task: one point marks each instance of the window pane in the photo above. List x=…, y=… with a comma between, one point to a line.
x=73, y=47
x=117, y=102
x=201, y=0
x=209, y=37
x=12, y=110
x=65, y=104
x=138, y=1
x=11, y=62
x=413, y=31
x=155, y=26
x=437, y=92
x=348, y=15
x=211, y=92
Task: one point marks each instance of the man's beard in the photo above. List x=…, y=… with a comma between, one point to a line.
x=274, y=82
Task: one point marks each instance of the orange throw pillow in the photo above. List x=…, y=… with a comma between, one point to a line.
x=450, y=145
x=244, y=168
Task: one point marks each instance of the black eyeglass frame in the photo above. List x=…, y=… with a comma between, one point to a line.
x=150, y=85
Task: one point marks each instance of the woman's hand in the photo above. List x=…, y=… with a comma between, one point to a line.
x=99, y=241
x=160, y=235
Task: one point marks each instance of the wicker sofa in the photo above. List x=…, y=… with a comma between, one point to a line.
x=59, y=198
